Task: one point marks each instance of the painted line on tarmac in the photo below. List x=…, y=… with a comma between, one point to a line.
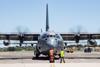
x=82, y=57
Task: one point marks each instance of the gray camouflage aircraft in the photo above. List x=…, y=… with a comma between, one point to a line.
x=48, y=39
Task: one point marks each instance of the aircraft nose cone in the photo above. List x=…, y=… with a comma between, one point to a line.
x=52, y=42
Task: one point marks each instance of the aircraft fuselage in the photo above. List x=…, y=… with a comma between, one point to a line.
x=49, y=41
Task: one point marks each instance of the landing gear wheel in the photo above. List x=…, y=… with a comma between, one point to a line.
x=36, y=53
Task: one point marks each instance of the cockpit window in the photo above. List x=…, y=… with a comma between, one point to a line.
x=46, y=35
x=50, y=35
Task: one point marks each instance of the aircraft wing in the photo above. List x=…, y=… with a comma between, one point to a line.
x=70, y=37
x=34, y=37
x=24, y=37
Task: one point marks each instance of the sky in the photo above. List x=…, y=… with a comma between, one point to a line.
x=64, y=15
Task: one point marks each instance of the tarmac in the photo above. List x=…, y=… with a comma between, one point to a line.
x=26, y=57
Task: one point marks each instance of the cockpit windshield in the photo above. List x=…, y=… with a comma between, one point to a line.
x=46, y=35
x=50, y=35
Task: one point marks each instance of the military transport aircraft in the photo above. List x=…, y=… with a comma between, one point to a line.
x=48, y=39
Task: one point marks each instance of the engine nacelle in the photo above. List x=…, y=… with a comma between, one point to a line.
x=92, y=42
x=6, y=43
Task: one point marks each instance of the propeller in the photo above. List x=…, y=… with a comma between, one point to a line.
x=77, y=33
x=21, y=32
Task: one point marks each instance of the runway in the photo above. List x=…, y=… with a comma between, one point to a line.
x=26, y=57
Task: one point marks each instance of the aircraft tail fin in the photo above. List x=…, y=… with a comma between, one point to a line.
x=47, y=18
